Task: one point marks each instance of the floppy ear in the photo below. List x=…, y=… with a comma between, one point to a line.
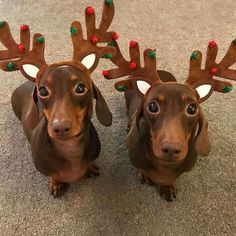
x=202, y=144
x=103, y=113
x=134, y=132
x=32, y=115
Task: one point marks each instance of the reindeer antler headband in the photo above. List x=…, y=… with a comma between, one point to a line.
x=86, y=51
x=201, y=79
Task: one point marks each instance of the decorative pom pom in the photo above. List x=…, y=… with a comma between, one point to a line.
x=21, y=47
x=94, y=39
x=40, y=39
x=193, y=56
x=212, y=44
x=152, y=54
x=106, y=73
x=1, y=24
x=90, y=10
x=115, y=36
x=227, y=89
x=112, y=43
x=133, y=65
x=122, y=88
x=108, y=2
x=107, y=56
x=133, y=44
x=234, y=41
x=73, y=31
x=214, y=70
x=23, y=27
x=10, y=66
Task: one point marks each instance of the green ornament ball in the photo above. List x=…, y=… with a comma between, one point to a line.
x=227, y=89
x=122, y=88
x=40, y=39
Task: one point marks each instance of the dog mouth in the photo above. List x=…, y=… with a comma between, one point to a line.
x=166, y=161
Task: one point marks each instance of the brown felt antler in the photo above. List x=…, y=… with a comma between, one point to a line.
x=83, y=47
x=86, y=51
x=16, y=53
x=133, y=67
x=203, y=80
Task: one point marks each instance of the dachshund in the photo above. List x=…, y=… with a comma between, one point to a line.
x=56, y=105
x=167, y=129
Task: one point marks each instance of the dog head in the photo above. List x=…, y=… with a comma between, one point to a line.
x=66, y=93
x=169, y=115
x=65, y=89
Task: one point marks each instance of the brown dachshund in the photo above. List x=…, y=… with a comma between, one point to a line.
x=166, y=128
x=56, y=106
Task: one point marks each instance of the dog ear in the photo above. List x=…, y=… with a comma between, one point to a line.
x=103, y=113
x=32, y=115
x=202, y=144
x=134, y=129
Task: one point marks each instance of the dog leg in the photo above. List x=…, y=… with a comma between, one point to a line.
x=57, y=188
x=92, y=171
x=168, y=192
x=144, y=179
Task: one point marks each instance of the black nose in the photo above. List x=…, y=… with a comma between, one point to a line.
x=171, y=150
x=61, y=128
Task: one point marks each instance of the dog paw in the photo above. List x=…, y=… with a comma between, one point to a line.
x=143, y=179
x=92, y=171
x=57, y=189
x=168, y=192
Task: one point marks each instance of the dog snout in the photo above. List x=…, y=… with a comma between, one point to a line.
x=61, y=128
x=171, y=150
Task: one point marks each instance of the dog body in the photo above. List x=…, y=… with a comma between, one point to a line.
x=162, y=146
x=64, y=142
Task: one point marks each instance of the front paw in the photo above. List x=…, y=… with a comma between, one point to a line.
x=143, y=179
x=168, y=192
x=56, y=188
x=92, y=171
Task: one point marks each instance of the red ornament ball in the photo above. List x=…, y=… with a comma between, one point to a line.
x=94, y=39
x=23, y=27
x=214, y=70
x=115, y=36
x=21, y=47
x=133, y=65
x=90, y=10
x=212, y=44
x=106, y=73
x=133, y=44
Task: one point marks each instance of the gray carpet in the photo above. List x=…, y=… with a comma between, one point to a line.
x=115, y=203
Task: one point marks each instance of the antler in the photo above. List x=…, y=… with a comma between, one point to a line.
x=83, y=47
x=16, y=53
x=133, y=67
x=199, y=77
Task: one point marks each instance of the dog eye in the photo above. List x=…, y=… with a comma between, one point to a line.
x=80, y=88
x=153, y=107
x=43, y=92
x=192, y=109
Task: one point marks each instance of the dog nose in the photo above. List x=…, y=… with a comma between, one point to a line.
x=171, y=150
x=61, y=128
